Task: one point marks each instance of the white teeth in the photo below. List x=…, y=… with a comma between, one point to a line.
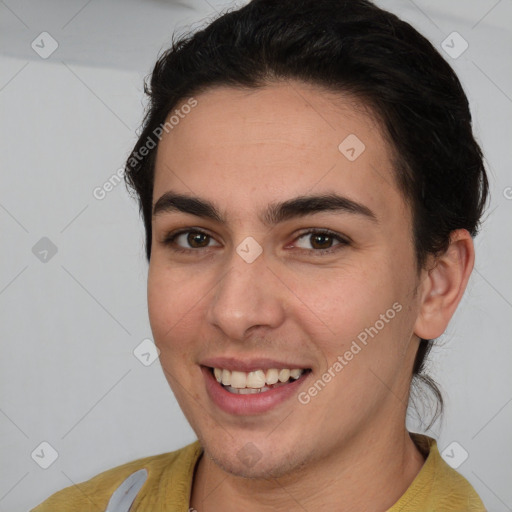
x=238, y=380
x=284, y=375
x=255, y=381
x=248, y=391
x=226, y=377
x=295, y=374
x=272, y=376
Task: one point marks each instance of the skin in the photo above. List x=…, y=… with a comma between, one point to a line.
x=243, y=150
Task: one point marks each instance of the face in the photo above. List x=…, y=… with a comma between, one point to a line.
x=280, y=242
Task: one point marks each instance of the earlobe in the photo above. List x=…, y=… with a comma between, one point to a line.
x=443, y=286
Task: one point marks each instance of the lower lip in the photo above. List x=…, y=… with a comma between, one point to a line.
x=256, y=403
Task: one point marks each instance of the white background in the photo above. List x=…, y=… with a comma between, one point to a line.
x=69, y=326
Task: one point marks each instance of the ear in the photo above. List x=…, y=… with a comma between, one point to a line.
x=443, y=285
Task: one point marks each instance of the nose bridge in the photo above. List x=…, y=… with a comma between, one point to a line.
x=246, y=296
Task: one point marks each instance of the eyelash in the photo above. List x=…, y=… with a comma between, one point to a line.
x=169, y=241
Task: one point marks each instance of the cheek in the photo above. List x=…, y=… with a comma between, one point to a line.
x=344, y=301
x=172, y=303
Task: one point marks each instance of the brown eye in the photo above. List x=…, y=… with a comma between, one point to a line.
x=190, y=240
x=320, y=241
x=197, y=240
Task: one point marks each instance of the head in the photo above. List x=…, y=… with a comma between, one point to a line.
x=333, y=144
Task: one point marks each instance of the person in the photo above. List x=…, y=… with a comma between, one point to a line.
x=310, y=187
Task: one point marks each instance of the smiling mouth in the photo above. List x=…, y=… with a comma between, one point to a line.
x=258, y=381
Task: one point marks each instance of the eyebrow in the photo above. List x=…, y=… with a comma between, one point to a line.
x=274, y=214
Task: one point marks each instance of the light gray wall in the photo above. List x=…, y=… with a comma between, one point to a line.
x=69, y=325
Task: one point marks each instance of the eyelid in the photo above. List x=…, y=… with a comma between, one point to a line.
x=169, y=239
x=324, y=231
x=342, y=239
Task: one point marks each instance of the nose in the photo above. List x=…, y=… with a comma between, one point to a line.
x=247, y=296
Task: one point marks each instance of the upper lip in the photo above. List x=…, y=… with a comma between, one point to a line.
x=250, y=365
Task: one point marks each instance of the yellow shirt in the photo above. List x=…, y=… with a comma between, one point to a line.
x=436, y=488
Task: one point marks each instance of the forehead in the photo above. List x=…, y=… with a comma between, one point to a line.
x=248, y=147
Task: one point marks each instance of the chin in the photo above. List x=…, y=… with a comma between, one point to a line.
x=255, y=460
x=263, y=469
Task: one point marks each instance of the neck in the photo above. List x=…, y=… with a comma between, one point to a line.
x=371, y=474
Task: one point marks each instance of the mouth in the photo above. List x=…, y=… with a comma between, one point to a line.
x=258, y=381
x=252, y=392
